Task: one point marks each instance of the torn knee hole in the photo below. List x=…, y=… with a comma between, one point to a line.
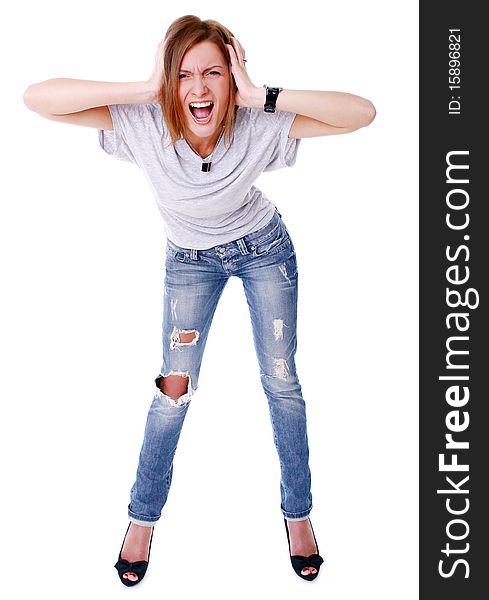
x=176, y=387
x=183, y=337
x=187, y=337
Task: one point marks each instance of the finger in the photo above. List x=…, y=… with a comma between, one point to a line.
x=240, y=53
x=235, y=62
x=242, y=50
x=232, y=53
x=236, y=43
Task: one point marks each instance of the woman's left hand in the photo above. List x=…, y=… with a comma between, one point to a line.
x=248, y=95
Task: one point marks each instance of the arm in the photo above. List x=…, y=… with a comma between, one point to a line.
x=83, y=102
x=318, y=113
x=322, y=113
x=65, y=96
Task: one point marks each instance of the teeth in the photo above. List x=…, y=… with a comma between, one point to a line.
x=200, y=104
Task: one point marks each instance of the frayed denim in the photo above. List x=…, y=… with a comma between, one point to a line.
x=265, y=261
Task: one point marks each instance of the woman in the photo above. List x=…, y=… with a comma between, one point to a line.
x=202, y=132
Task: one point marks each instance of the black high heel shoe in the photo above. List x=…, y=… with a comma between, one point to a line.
x=139, y=567
x=301, y=562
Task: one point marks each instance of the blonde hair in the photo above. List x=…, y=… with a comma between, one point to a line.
x=182, y=34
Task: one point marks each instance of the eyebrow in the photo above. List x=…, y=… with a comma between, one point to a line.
x=208, y=69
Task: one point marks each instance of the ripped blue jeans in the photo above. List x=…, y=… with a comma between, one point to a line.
x=266, y=264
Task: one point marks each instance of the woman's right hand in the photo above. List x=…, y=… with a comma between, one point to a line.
x=156, y=79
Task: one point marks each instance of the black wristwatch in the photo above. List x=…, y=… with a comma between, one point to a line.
x=271, y=98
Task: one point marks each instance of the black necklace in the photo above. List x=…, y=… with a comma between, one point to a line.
x=206, y=165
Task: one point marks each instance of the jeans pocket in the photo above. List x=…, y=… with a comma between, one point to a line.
x=273, y=241
x=174, y=252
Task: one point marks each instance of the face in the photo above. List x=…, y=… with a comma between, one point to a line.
x=204, y=79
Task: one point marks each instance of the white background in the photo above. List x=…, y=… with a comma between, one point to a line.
x=81, y=272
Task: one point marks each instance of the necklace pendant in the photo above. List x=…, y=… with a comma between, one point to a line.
x=206, y=167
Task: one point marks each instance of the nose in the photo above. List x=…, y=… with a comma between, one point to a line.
x=199, y=86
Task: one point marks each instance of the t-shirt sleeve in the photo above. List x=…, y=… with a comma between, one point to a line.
x=116, y=141
x=276, y=127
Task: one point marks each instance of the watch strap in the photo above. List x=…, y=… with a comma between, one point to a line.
x=271, y=98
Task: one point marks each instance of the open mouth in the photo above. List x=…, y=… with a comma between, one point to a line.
x=201, y=111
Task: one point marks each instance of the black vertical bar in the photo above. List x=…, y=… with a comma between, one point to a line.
x=454, y=356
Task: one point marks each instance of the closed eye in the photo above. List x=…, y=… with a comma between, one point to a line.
x=188, y=75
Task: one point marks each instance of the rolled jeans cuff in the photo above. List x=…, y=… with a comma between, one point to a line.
x=142, y=522
x=297, y=516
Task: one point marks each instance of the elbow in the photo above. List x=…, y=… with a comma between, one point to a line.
x=363, y=114
x=27, y=97
x=31, y=98
x=368, y=113
x=37, y=98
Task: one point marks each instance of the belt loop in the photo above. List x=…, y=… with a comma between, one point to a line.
x=242, y=246
x=193, y=254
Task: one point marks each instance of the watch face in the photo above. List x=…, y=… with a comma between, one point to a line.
x=271, y=94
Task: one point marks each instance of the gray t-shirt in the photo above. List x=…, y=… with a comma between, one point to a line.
x=204, y=209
